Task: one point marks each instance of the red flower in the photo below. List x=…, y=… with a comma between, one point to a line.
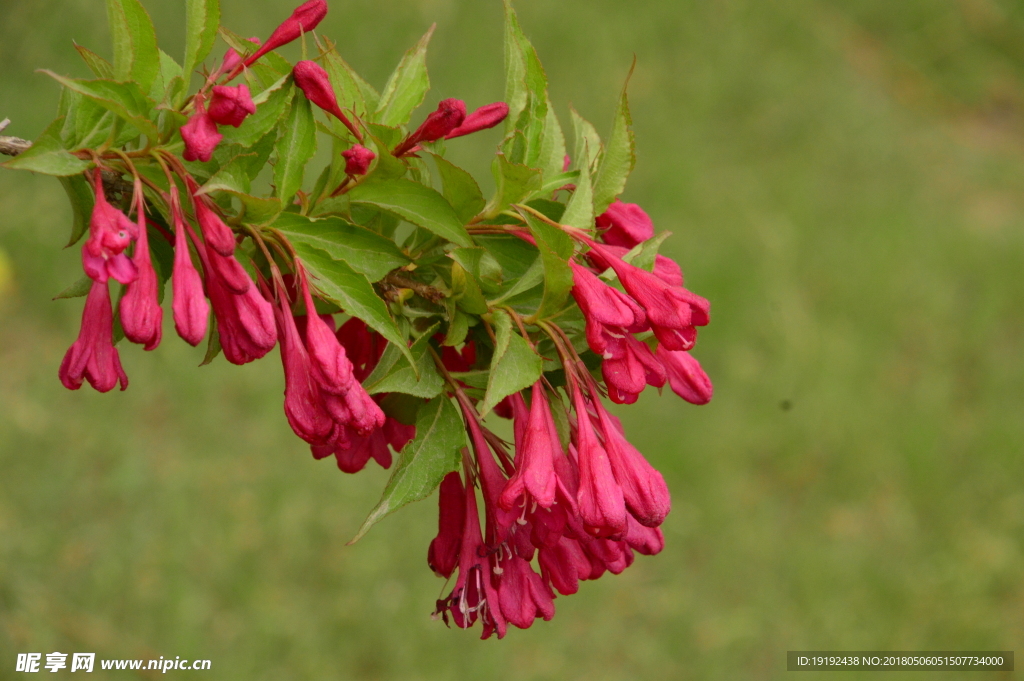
x=230, y=105
x=217, y=234
x=304, y=19
x=483, y=118
x=245, y=319
x=628, y=375
x=232, y=60
x=110, y=233
x=314, y=82
x=449, y=115
x=535, y=456
x=200, y=135
x=601, y=504
x=522, y=593
x=358, y=159
x=191, y=311
x=625, y=224
x=140, y=311
x=686, y=376
x=443, y=555
x=92, y=356
x=610, y=314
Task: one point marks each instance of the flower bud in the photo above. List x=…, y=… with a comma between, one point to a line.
x=481, y=119
x=450, y=114
x=230, y=105
x=303, y=20
x=314, y=82
x=358, y=159
x=686, y=376
x=92, y=356
x=191, y=311
x=626, y=224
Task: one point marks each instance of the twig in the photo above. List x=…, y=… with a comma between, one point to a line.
x=423, y=290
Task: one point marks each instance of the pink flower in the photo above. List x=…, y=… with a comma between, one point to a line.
x=217, y=234
x=92, y=356
x=314, y=82
x=110, y=233
x=141, y=315
x=364, y=347
x=443, y=555
x=474, y=596
x=230, y=105
x=625, y=224
x=304, y=19
x=522, y=593
x=628, y=375
x=563, y=565
x=191, y=311
x=232, y=60
x=245, y=319
x=303, y=404
x=535, y=455
x=601, y=504
x=686, y=376
x=610, y=314
x=331, y=366
x=643, y=488
x=200, y=135
x=483, y=118
x=358, y=159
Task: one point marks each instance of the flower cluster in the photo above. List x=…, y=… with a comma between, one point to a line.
x=409, y=310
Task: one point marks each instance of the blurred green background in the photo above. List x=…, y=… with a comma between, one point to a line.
x=845, y=182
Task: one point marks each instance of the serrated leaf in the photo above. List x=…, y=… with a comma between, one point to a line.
x=202, y=17
x=407, y=85
x=579, y=212
x=80, y=194
x=552, y=152
x=466, y=291
x=460, y=189
x=126, y=100
x=295, y=147
x=458, y=329
x=271, y=105
x=78, y=289
x=48, y=156
x=352, y=292
x=423, y=463
x=514, y=182
x=555, y=248
x=365, y=251
x=415, y=203
x=481, y=264
x=532, y=277
x=526, y=94
x=213, y=346
x=167, y=79
x=586, y=135
x=100, y=67
x=136, y=57
x=259, y=210
x=514, y=365
x=619, y=157
x=394, y=374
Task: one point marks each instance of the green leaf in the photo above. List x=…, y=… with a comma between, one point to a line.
x=394, y=374
x=552, y=151
x=555, y=250
x=352, y=91
x=516, y=92
x=136, y=57
x=213, y=346
x=77, y=290
x=352, y=292
x=100, y=67
x=460, y=189
x=532, y=277
x=586, y=139
x=202, y=17
x=481, y=264
x=579, y=212
x=80, y=194
x=168, y=80
x=126, y=100
x=407, y=86
x=619, y=157
x=514, y=365
x=645, y=253
x=295, y=147
x=270, y=107
x=233, y=175
x=514, y=182
x=48, y=156
x=415, y=203
x=466, y=292
x=365, y=251
x=526, y=93
x=423, y=463
x=458, y=329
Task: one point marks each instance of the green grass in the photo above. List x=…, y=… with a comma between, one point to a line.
x=844, y=181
